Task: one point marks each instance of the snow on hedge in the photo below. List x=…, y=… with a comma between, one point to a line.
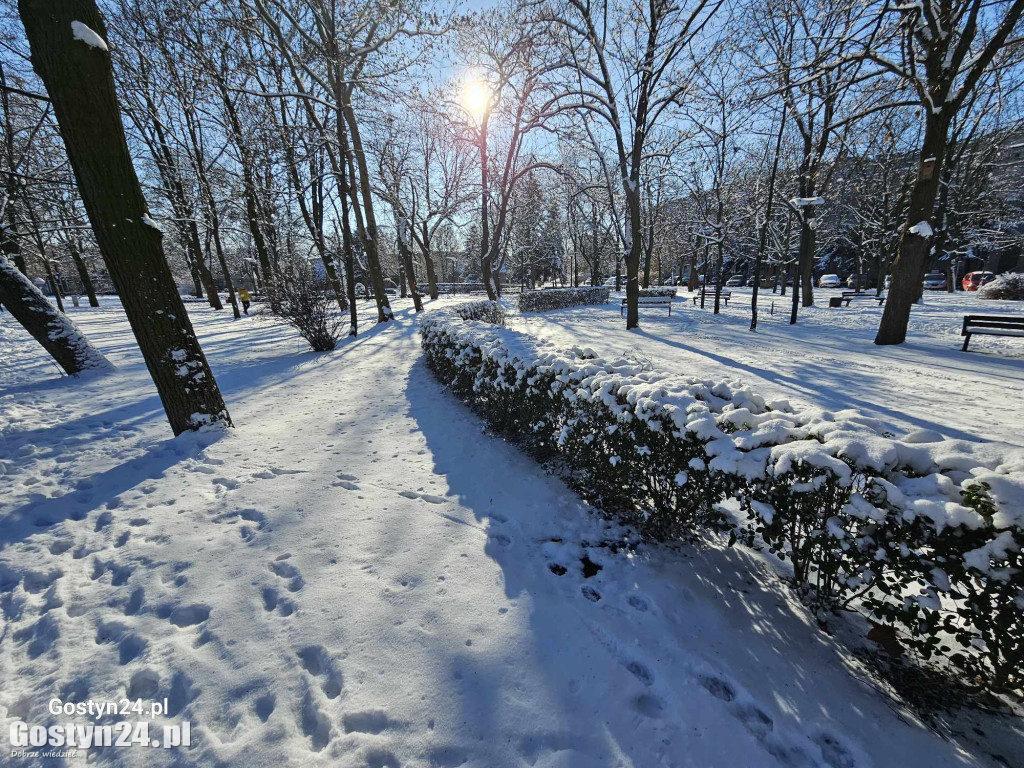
x=660, y=291
x=559, y=298
x=1009, y=286
x=926, y=533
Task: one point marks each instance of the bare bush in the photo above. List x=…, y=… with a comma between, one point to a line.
x=306, y=301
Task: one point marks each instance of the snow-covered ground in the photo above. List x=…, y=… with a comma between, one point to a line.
x=356, y=575
x=828, y=358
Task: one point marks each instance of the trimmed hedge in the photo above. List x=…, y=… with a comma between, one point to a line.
x=1006, y=287
x=661, y=292
x=559, y=298
x=926, y=536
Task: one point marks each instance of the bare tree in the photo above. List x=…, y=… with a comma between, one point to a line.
x=942, y=51
x=71, y=57
x=628, y=74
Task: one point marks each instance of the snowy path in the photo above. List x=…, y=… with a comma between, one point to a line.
x=356, y=576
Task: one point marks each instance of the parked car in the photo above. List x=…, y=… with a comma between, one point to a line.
x=391, y=291
x=865, y=282
x=888, y=281
x=735, y=281
x=830, y=281
x=750, y=282
x=610, y=282
x=974, y=280
x=360, y=290
x=934, y=281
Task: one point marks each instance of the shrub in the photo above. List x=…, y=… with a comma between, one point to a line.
x=306, y=302
x=660, y=292
x=955, y=574
x=559, y=298
x=1006, y=287
x=926, y=536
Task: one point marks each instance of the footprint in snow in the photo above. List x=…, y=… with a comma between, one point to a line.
x=640, y=672
x=317, y=662
x=189, y=615
x=590, y=593
x=637, y=602
x=224, y=484
x=348, y=485
x=264, y=706
x=717, y=687
x=835, y=754
x=285, y=570
x=371, y=721
x=648, y=705
x=247, y=532
x=272, y=472
x=755, y=720
x=274, y=602
x=427, y=497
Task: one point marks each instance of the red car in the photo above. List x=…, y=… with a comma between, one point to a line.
x=974, y=280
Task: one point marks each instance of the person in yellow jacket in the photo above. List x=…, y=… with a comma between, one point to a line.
x=243, y=294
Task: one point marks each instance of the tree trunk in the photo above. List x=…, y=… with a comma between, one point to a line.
x=370, y=246
x=763, y=239
x=80, y=83
x=197, y=279
x=647, y=265
x=908, y=267
x=83, y=272
x=48, y=326
x=806, y=275
x=485, y=238
x=410, y=275
x=633, y=254
x=219, y=247
x=428, y=262
x=51, y=278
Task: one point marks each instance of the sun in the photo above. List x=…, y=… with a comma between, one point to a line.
x=476, y=97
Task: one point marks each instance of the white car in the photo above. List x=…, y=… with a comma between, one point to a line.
x=610, y=281
x=830, y=281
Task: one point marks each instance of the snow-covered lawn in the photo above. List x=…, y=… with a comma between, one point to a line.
x=358, y=576
x=829, y=358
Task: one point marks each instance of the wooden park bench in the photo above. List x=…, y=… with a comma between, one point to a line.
x=708, y=294
x=651, y=301
x=846, y=297
x=991, y=325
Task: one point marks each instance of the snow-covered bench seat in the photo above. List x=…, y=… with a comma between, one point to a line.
x=651, y=301
x=709, y=293
x=847, y=296
x=991, y=325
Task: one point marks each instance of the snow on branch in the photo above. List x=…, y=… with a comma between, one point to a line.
x=88, y=36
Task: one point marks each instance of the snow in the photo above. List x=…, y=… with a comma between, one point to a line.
x=148, y=221
x=922, y=229
x=88, y=36
x=357, y=575
x=828, y=359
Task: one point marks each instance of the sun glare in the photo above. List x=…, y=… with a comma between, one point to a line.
x=476, y=97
